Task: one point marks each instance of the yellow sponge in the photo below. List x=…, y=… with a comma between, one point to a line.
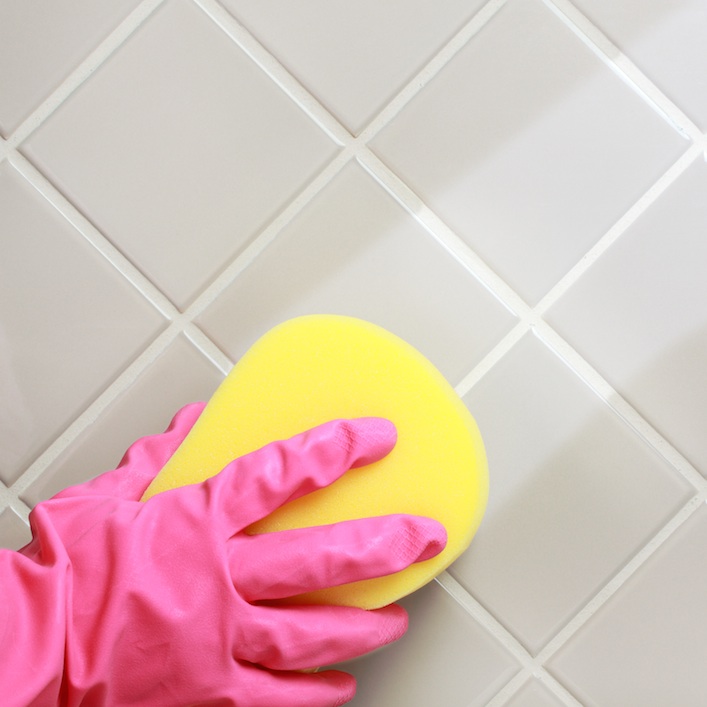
x=317, y=368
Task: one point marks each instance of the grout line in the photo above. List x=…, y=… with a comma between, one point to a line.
x=546, y=679
x=528, y=664
x=93, y=236
x=261, y=242
x=432, y=68
x=20, y=508
x=492, y=357
x=485, y=619
x=530, y=318
x=208, y=348
x=96, y=408
x=619, y=405
x=623, y=67
x=9, y=500
x=337, y=132
x=536, y=666
x=617, y=230
x=276, y=71
x=85, y=69
x=621, y=578
x=5, y=495
x=443, y=234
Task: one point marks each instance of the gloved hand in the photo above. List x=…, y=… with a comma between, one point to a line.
x=117, y=602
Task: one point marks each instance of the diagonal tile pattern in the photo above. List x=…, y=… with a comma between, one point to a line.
x=514, y=186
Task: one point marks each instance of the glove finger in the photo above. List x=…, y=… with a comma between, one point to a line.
x=253, y=486
x=301, y=637
x=252, y=686
x=290, y=562
x=141, y=462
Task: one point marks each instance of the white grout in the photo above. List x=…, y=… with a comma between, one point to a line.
x=276, y=71
x=620, y=406
x=84, y=70
x=93, y=236
x=261, y=242
x=121, y=384
x=442, y=233
x=623, y=67
x=356, y=148
x=432, y=68
x=208, y=348
x=615, y=232
x=621, y=577
x=529, y=665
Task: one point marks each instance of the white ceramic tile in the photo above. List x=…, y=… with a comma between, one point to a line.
x=647, y=645
x=354, y=56
x=14, y=532
x=528, y=146
x=181, y=375
x=573, y=494
x=42, y=42
x=169, y=146
x=355, y=251
x=666, y=39
x=534, y=694
x=68, y=323
x=445, y=658
x=639, y=314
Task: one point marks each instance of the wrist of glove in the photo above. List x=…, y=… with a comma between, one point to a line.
x=169, y=602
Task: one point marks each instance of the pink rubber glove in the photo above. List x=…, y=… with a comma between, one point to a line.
x=117, y=602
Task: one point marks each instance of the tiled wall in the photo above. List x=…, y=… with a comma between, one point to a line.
x=518, y=188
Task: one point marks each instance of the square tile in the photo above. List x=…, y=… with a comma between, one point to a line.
x=573, y=494
x=647, y=645
x=355, y=251
x=181, y=375
x=666, y=39
x=528, y=146
x=445, y=658
x=14, y=532
x=168, y=147
x=354, y=57
x=42, y=42
x=70, y=323
x=639, y=314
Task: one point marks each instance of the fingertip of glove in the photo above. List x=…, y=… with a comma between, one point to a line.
x=343, y=683
x=186, y=416
x=367, y=439
x=417, y=538
x=394, y=623
x=432, y=537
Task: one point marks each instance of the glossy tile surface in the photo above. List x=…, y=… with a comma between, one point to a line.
x=647, y=645
x=575, y=493
x=354, y=57
x=182, y=376
x=515, y=187
x=466, y=673
x=640, y=314
x=354, y=251
x=665, y=38
x=161, y=151
x=41, y=43
x=533, y=161
x=60, y=347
